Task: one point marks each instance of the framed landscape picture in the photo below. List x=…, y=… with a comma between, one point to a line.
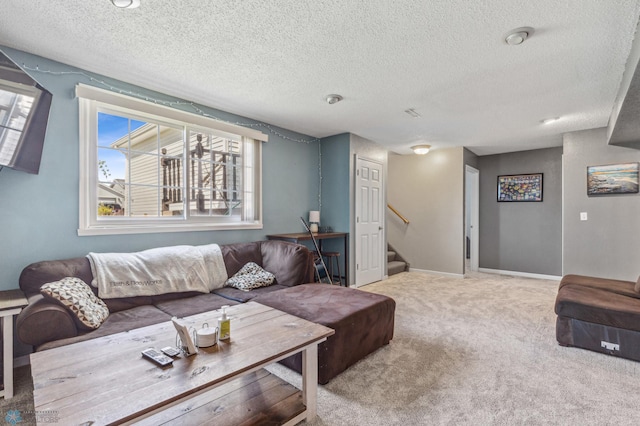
x=520, y=187
x=612, y=179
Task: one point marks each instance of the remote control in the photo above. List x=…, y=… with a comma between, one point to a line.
x=170, y=351
x=157, y=357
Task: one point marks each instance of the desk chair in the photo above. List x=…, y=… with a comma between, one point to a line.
x=331, y=255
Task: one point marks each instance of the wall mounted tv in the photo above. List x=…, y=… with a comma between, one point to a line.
x=24, y=112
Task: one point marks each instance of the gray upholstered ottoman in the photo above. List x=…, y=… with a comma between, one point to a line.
x=363, y=322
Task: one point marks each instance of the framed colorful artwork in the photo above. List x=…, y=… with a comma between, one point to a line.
x=520, y=187
x=612, y=179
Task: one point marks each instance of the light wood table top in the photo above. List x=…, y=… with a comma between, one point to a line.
x=107, y=381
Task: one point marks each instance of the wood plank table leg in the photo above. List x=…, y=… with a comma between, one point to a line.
x=7, y=353
x=310, y=380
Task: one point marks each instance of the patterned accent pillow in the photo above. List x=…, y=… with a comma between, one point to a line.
x=249, y=277
x=75, y=295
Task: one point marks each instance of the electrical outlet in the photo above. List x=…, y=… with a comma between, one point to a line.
x=583, y=215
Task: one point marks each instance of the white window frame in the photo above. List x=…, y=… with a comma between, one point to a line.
x=92, y=99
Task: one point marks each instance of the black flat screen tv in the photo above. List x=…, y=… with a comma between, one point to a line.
x=24, y=113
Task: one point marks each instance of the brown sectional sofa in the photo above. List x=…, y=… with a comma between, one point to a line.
x=45, y=324
x=363, y=321
x=599, y=314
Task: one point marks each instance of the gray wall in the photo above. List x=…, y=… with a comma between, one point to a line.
x=39, y=213
x=429, y=191
x=608, y=243
x=522, y=236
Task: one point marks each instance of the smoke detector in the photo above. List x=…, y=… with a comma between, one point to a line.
x=126, y=4
x=332, y=99
x=518, y=36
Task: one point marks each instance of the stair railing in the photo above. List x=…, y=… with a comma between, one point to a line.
x=404, y=219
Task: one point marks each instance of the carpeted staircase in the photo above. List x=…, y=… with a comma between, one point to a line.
x=395, y=262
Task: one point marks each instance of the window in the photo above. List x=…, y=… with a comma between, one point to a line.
x=149, y=168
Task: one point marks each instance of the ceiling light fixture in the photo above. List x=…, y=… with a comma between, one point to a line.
x=550, y=120
x=421, y=149
x=332, y=99
x=412, y=112
x=518, y=36
x=126, y=4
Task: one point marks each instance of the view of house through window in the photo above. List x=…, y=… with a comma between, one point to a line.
x=144, y=170
x=151, y=169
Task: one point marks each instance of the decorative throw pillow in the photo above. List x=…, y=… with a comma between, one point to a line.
x=75, y=295
x=249, y=277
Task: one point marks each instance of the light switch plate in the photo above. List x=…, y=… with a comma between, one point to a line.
x=583, y=215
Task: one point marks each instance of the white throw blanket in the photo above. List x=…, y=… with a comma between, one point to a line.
x=158, y=271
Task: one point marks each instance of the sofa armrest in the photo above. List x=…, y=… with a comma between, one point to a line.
x=291, y=263
x=42, y=321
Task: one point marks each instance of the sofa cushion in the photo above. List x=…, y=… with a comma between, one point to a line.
x=611, y=285
x=250, y=276
x=87, y=309
x=140, y=316
x=363, y=322
x=36, y=274
x=598, y=306
x=239, y=254
x=245, y=296
x=193, y=305
x=291, y=263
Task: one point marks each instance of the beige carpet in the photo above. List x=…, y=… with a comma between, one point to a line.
x=474, y=351
x=477, y=351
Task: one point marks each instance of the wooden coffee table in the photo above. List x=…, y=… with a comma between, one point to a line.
x=107, y=381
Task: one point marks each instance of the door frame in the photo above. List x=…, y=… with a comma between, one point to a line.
x=383, y=219
x=472, y=215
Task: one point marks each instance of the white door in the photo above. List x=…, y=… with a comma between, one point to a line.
x=369, y=242
x=473, y=214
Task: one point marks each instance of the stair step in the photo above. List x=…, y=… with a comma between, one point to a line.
x=391, y=256
x=395, y=267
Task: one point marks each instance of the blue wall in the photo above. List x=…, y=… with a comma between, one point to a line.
x=39, y=213
x=335, y=159
x=335, y=182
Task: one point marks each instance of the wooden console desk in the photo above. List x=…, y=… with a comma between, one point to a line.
x=11, y=303
x=319, y=236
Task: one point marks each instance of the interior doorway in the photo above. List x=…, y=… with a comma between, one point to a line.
x=472, y=217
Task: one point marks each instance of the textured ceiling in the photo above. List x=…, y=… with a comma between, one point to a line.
x=276, y=60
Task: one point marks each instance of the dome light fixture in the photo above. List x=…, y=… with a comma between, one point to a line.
x=421, y=149
x=332, y=99
x=126, y=4
x=518, y=36
x=550, y=120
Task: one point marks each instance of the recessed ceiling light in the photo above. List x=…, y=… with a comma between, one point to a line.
x=421, y=149
x=126, y=4
x=518, y=36
x=550, y=120
x=332, y=99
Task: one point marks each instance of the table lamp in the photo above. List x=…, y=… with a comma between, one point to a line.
x=314, y=220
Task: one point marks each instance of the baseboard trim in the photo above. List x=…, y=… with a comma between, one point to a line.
x=21, y=361
x=446, y=274
x=520, y=274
